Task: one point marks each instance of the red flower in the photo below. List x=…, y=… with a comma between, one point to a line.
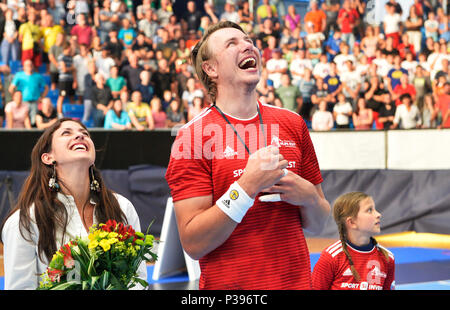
x=54, y=274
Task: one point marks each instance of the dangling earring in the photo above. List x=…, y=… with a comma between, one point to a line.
x=53, y=182
x=95, y=186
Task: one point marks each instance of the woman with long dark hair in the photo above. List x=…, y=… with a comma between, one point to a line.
x=63, y=196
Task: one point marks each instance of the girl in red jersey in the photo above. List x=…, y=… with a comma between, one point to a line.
x=356, y=261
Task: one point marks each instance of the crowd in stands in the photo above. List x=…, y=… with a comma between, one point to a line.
x=125, y=64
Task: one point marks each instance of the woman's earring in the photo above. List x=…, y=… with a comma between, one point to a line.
x=95, y=186
x=53, y=182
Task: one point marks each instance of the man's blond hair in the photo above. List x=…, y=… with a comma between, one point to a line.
x=201, y=53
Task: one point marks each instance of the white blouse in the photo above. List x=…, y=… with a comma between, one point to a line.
x=23, y=266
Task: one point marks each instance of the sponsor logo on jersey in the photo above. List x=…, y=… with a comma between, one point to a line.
x=276, y=141
x=229, y=152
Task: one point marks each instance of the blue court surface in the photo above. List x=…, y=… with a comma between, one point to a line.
x=415, y=269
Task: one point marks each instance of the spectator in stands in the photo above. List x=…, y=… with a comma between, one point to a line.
x=140, y=113
x=342, y=57
x=407, y=115
x=315, y=22
x=190, y=93
x=410, y=64
x=131, y=72
x=102, y=100
x=167, y=47
x=276, y=67
x=363, y=116
x=391, y=23
x=114, y=47
x=333, y=83
x=141, y=9
x=265, y=10
x=331, y=9
x=429, y=112
x=351, y=83
x=292, y=18
x=83, y=32
x=298, y=65
x=32, y=86
x=443, y=104
x=369, y=43
x=267, y=52
x=246, y=16
x=332, y=45
x=88, y=91
x=289, y=94
x=164, y=12
x=348, y=19
x=115, y=82
x=406, y=47
x=438, y=59
x=404, y=87
x=67, y=81
x=342, y=112
x=322, y=69
x=413, y=26
x=81, y=63
x=229, y=12
x=30, y=35
x=307, y=87
x=126, y=34
x=197, y=105
x=431, y=25
x=17, y=113
x=148, y=25
x=444, y=26
x=190, y=20
x=386, y=112
x=163, y=79
x=50, y=33
x=117, y=118
x=10, y=49
x=105, y=20
x=267, y=30
x=422, y=85
x=394, y=75
x=146, y=88
x=320, y=93
x=46, y=115
x=322, y=120
x=314, y=51
x=158, y=114
x=104, y=62
x=175, y=117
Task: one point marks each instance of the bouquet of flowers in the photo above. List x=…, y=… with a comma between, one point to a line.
x=107, y=259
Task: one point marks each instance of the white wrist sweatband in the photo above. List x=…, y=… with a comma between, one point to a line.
x=235, y=202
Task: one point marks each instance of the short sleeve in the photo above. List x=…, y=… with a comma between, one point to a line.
x=189, y=173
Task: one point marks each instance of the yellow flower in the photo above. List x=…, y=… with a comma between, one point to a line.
x=105, y=245
x=112, y=240
x=113, y=235
x=103, y=234
x=93, y=244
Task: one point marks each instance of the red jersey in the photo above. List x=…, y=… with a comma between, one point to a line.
x=332, y=270
x=267, y=250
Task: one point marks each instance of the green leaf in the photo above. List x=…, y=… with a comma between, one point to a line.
x=104, y=279
x=94, y=280
x=91, y=269
x=141, y=282
x=65, y=286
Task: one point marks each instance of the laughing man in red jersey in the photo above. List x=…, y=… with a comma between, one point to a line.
x=225, y=159
x=356, y=261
